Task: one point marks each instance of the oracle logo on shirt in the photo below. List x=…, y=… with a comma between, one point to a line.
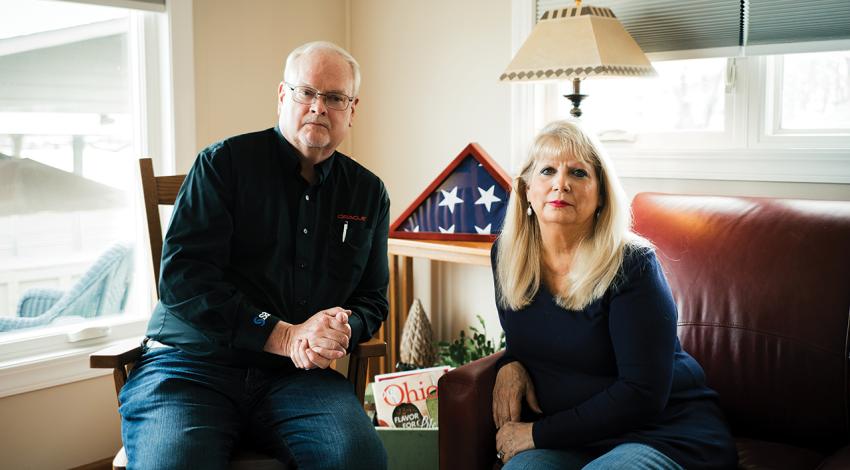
x=358, y=218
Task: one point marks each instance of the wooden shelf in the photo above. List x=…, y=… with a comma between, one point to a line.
x=401, y=253
x=450, y=251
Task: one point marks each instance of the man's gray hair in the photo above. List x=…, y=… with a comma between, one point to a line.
x=291, y=67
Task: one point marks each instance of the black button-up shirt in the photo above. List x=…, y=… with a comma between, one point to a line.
x=251, y=242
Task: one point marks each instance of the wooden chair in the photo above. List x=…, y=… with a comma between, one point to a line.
x=162, y=190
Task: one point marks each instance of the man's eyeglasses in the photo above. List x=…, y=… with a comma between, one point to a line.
x=308, y=95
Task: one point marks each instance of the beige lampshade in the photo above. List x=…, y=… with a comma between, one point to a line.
x=577, y=42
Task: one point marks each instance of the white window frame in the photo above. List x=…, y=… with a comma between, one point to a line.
x=769, y=115
x=751, y=148
x=55, y=355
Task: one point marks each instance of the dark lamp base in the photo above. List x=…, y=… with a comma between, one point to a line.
x=576, y=100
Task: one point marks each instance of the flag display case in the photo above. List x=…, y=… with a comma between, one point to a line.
x=466, y=202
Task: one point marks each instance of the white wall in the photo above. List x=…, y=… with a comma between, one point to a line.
x=240, y=49
x=60, y=427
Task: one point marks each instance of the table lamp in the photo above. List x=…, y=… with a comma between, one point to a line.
x=577, y=43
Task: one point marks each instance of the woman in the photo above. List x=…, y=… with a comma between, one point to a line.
x=591, y=329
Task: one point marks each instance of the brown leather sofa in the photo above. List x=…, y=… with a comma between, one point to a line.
x=763, y=291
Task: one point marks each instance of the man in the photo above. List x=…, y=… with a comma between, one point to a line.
x=274, y=265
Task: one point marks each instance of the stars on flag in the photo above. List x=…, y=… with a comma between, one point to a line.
x=483, y=231
x=450, y=199
x=487, y=197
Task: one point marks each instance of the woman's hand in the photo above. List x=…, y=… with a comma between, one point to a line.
x=512, y=385
x=512, y=439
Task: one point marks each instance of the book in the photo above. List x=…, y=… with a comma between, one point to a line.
x=408, y=399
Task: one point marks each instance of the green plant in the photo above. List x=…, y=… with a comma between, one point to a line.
x=468, y=348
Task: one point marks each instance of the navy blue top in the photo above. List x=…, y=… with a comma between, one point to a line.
x=614, y=372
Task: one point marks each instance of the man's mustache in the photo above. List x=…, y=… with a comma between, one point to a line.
x=317, y=120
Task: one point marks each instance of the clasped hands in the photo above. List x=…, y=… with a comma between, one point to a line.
x=513, y=385
x=315, y=343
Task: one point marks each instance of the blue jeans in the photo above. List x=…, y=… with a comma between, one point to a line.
x=624, y=456
x=179, y=411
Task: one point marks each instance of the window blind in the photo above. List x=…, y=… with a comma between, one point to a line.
x=781, y=21
x=675, y=25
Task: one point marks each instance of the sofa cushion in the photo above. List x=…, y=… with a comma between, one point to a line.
x=754, y=454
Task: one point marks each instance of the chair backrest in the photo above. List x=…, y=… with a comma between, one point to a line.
x=157, y=190
x=762, y=290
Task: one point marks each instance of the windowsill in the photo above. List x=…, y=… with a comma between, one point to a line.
x=46, y=358
x=779, y=165
x=48, y=370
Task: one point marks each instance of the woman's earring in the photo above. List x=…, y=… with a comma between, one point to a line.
x=529, y=211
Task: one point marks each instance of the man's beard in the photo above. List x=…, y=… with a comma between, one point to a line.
x=311, y=138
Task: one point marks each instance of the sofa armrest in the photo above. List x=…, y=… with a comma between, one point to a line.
x=467, y=433
x=837, y=461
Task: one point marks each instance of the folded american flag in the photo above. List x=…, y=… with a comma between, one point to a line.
x=467, y=201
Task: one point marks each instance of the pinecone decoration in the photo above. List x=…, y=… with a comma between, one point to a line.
x=417, y=340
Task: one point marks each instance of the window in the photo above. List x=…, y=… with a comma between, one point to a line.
x=766, y=118
x=80, y=102
x=811, y=93
x=687, y=98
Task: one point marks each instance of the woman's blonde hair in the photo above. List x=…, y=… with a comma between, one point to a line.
x=597, y=258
